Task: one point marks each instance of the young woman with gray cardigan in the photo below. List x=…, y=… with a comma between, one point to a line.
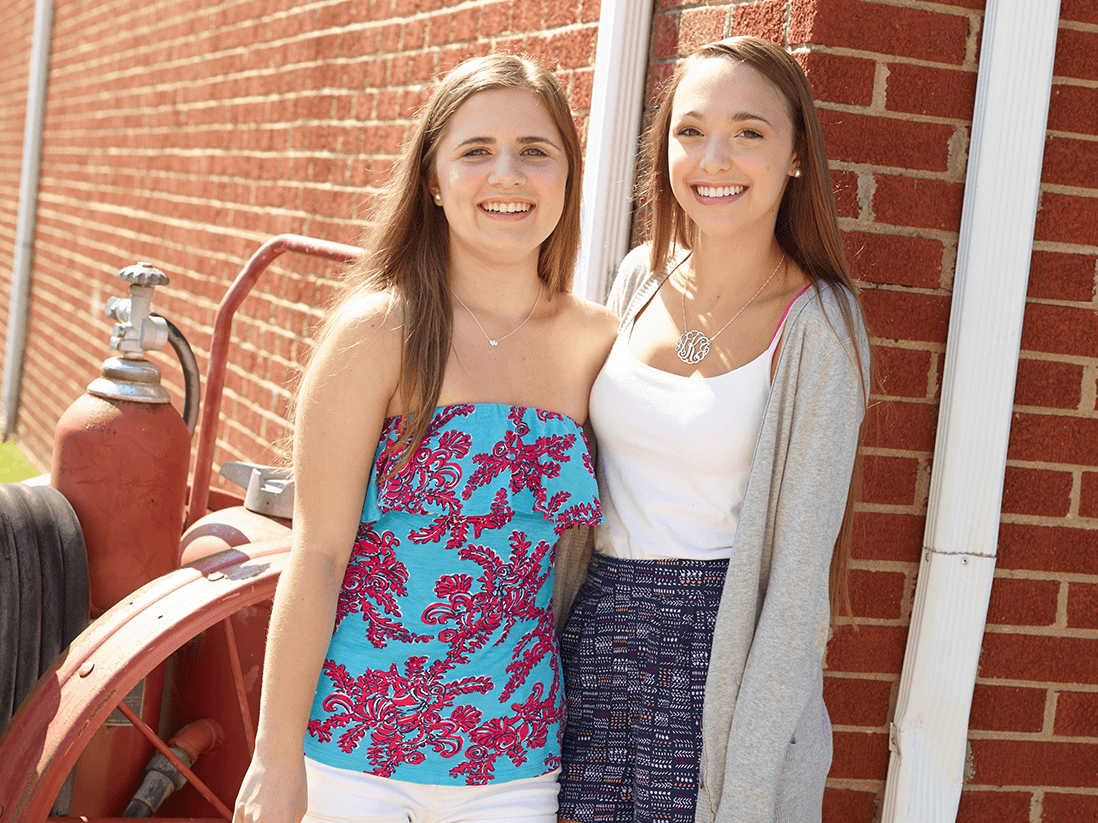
x=727, y=418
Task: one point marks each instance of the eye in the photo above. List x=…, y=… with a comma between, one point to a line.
x=475, y=152
x=687, y=131
x=535, y=151
x=751, y=134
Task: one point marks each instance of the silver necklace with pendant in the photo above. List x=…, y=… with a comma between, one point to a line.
x=693, y=345
x=496, y=341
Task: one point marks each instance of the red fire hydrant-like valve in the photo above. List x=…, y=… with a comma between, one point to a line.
x=121, y=454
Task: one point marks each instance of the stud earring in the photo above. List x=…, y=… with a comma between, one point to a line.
x=438, y=198
x=796, y=172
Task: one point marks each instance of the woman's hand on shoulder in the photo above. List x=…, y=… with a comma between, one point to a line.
x=274, y=792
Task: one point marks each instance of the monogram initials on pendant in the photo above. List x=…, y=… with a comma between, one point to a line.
x=692, y=347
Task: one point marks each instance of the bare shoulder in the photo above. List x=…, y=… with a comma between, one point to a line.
x=595, y=325
x=361, y=338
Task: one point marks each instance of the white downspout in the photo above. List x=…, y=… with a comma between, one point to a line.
x=1002, y=184
x=19, y=308
x=617, y=100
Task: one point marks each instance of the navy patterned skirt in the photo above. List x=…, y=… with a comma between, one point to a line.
x=635, y=652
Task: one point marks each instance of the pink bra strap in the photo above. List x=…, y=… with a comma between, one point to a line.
x=786, y=312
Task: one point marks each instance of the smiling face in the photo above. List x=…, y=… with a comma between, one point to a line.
x=500, y=175
x=730, y=149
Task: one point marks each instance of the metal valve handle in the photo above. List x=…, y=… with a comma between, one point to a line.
x=137, y=329
x=143, y=274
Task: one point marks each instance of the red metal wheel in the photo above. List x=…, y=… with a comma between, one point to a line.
x=55, y=722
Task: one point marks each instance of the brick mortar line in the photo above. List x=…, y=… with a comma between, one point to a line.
x=847, y=729
x=1086, y=524
x=927, y=5
x=891, y=114
x=881, y=58
x=890, y=229
x=889, y=566
x=840, y=784
x=1044, y=790
x=882, y=451
x=1058, y=632
x=1064, y=80
x=1075, y=25
x=1043, y=576
x=890, y=508
x=948, y=237
x=1029, y=737
x=1070, y=248
x=906, y=345
x=1080, y=414
x=1057, y=301
x=1040, y=464
x=876, y=622
x=1073, y=135
x=1074, y=191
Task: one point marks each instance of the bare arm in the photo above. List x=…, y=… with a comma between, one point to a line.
x=344, y=399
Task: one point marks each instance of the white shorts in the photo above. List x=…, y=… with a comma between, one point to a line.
x=344, y=796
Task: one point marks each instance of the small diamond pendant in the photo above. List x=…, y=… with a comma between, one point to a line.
x=692, y=347
x=493, y=342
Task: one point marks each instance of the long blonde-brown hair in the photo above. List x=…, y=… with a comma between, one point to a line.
x=407, y=241
x=807, y=226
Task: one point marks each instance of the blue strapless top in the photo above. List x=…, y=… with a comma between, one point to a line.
x=443, y=666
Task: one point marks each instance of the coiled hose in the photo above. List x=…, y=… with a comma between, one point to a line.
x=43, y=586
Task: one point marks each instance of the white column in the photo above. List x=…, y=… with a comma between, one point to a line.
x=19, y=308
x=617, y=100
x=929, y=734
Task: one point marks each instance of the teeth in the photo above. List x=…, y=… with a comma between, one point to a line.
x=719, y=191
x=507, y=208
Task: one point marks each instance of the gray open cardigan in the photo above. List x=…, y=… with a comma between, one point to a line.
x=766, y=737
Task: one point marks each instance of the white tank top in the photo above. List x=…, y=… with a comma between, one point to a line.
x=674, y=454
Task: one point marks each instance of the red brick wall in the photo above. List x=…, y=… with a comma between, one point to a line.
x=188, y=134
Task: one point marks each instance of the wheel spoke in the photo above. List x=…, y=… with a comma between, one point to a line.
x=238, y=681
x=173, y=758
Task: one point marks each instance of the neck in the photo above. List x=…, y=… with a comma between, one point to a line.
x=494, y=286
x=712, y=273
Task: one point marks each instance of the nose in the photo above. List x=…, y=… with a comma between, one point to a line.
x=716, y=156
x=507, y=170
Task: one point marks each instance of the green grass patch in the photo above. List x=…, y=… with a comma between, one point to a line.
x=13, y=465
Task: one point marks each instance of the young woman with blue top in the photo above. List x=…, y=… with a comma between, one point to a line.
x=412, y=668
x=728, y=418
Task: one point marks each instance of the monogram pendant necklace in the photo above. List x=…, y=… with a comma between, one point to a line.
x=693, y=345
x=496, y=341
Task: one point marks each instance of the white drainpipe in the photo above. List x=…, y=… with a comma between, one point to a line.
x=617, y=100
x=19, y=309
x=929, y=734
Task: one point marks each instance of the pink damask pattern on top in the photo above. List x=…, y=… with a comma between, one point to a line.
x=467, y=584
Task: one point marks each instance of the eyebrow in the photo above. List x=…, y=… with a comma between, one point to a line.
x=487, y=141
x=735, y=117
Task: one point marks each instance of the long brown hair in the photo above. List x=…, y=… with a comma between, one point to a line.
x=407, y=242
x=807, y=226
